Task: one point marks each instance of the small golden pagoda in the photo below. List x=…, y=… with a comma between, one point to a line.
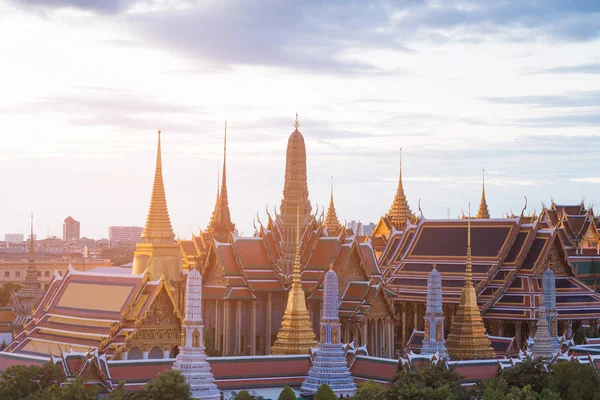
x=467, y=339
x=296, y=335
x=159, y=253
x=220, y=225
x=331, y=222
x=483, y=211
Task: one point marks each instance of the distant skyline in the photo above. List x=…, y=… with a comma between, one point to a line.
x=512, y=87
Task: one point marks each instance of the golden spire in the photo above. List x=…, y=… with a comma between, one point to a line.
x=467, y=339
x=483, y=208
x=158, y=227
x=331, y=220
x=400, y=211
x=296, y=335
x=220, y=225
x=295, y=195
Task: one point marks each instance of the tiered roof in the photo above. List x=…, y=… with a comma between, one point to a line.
x=509, y=256
x=76, y=314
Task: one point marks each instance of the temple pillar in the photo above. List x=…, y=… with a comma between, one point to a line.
x=253, y=329
x=125, y=355
x=356, y=339
x=501, y=328
x=145, y=355
x=416, y=320
x=366, y=334
x=226, y=349
x=166, y=354
x=390, y=339
x=268, y=325
x=404, y=327
x=518, y=333
x=238, y=331
x=217, y=331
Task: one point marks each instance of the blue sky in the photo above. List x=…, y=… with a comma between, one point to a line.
x=509, y=86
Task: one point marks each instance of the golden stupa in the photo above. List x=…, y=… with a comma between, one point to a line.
x=296, y=335
x=159, y=253
x=467, y=339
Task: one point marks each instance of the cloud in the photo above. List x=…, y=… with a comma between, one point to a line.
x=593, y=68
x=98, y=6
x=586, y=180
x=328, y=36
x=572, y=99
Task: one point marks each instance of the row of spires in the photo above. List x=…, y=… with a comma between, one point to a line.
x=158, y=228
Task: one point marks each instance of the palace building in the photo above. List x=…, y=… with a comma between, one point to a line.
x=264, y=294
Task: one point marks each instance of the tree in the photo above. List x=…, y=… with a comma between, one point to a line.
x=531, y=373
x=370, y=390
x=20, y=381
x=244, y=395
x=287, y=394
x=209, y=343
x=169, y=385
x=76, y=390
x=324, y=392
x=5, y=292
x=418, y=391
x=574, y=381
x=119, y=393
x=582, y=333
x=430, y=376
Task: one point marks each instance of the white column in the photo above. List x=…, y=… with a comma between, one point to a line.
x=145, y=356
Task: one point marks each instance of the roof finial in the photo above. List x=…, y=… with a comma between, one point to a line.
x=331, y=192
x=296, y=122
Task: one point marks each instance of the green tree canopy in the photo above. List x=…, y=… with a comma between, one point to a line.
x=573, y=381
x=244, y=395
x=169, y=385
x=287, y=394
x=527, y=373
x=20, y=381
x=370, y=390
x=432, y=376
x=324, y=392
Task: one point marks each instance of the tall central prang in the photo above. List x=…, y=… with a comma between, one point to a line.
x=295, y=196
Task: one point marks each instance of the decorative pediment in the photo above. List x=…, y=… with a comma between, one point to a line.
x=555, y=262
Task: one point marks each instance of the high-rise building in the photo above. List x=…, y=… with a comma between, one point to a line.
x=368, y=229
x=125, y=234
x=70, y=229
x=14, y=238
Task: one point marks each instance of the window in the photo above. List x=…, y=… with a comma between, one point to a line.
x=39, y=274
x=7, y=274
x=17, y=274
x=46, y=274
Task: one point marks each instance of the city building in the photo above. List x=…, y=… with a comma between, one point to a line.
x=14, y=238
x=124, y=235
x=71, y=230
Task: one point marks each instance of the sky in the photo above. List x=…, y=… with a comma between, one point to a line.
x=512, y=87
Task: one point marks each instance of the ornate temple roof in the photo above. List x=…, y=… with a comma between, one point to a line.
x=76, y=313
x=508, y=257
